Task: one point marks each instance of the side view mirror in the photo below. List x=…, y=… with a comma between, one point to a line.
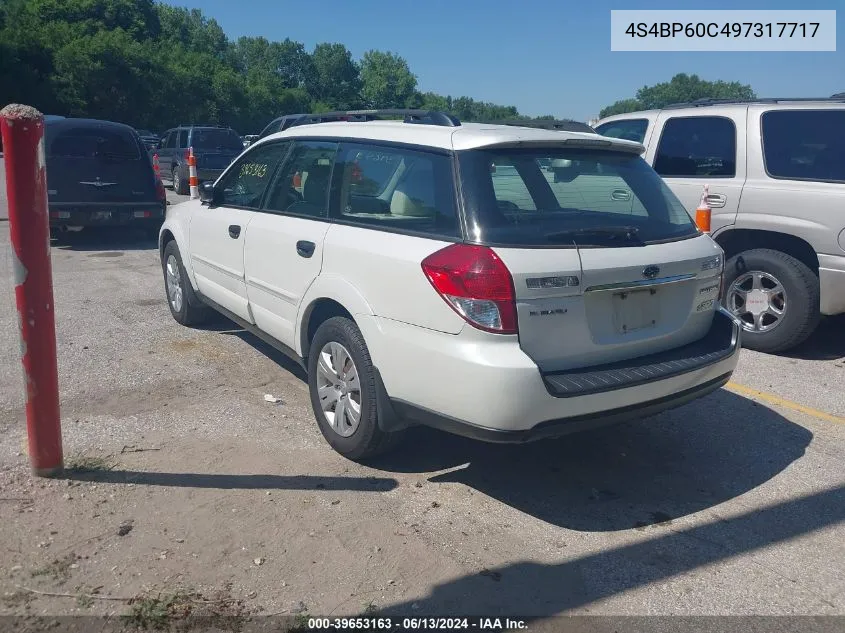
x=207, y=193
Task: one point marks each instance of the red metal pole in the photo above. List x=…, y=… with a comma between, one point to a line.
x=22, y=128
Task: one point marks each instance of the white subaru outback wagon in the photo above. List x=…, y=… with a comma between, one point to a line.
x=426, y=271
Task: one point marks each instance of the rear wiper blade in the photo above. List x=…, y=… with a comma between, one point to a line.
x=610, y=232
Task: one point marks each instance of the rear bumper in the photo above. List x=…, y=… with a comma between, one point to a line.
x=718, y=344
x=564, y=426
x=832, y=284
x=486, y=387
x=203, y=175
x=208, y=174
x=106, y=215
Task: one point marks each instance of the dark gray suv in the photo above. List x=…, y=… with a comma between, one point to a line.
x=214, y=147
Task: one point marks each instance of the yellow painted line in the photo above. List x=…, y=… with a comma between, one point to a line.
x=782, y=402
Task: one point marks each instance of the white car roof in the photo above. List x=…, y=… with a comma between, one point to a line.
x=463, y=137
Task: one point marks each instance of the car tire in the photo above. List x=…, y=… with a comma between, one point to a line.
x=185, y=306
x=339, y=339
x=799, y=301
x=179, y=184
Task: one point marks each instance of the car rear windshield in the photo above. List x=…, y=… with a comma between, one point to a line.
x=93, y=142
x=218, y=139
x=563, y=197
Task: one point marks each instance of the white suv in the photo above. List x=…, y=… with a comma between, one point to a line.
x=425, y=271
x=776, y=174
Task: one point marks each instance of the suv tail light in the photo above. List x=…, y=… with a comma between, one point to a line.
x=476, y=284
x=161, y=194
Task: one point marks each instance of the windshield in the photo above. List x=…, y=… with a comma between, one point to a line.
x=566, y=197
x=218, y=139
x=102, y=143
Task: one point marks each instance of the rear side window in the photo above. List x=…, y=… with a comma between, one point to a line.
x=244, y=184
x=394, y=188
x=79, y=142
x=216, y=139
x=703, y=146
x=805, y=144
x=629, y=129
x=554, y=197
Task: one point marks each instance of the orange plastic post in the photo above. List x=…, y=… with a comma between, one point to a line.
x=703, y=213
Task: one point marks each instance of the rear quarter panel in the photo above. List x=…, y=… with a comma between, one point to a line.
x=384, y=270
x=812, y=211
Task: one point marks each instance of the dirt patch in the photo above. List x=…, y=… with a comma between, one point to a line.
x=107, y=254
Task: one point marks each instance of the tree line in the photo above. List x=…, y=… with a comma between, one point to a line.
x=153, y=66
x=682, y=88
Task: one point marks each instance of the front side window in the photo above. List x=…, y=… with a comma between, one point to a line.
x=551, y=197
x=394, y=188
x=303, y=182
x=696, y=147
x=627, y=129
x=244, y=184
x=169, y=140
x=183, y=138
x=805, y=144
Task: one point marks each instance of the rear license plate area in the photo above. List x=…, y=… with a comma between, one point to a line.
x=100, y=216
x=635, y=310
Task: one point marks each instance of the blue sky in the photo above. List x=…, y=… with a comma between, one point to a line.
x=545, y=57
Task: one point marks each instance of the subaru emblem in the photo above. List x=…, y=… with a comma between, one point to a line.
x=650, y=272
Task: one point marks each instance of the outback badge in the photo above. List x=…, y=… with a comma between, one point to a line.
x=650, y=272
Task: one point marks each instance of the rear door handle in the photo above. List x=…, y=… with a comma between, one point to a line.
x=234, y=231
x=305, y=248
x=717, y=200
x=620, y=194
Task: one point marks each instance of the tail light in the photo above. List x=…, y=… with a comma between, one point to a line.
x=718, y=263
x=161, y=195
x=476, y=284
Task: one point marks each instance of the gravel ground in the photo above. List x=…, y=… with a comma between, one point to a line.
x=186, y=478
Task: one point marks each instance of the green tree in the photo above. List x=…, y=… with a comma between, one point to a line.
x=682, y=88
x=335, y=78
x=386, y=80
x=153, y=65
x=192, y=30
x=621, y=107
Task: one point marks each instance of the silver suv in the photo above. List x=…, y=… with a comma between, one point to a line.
x=776, y=175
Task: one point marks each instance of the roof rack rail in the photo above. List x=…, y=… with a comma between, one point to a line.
x=421, y=117
x=562, y=125
x=709, y=101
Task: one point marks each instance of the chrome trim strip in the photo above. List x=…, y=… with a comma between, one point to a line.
x=273, y=290
x=231, y=272
x=645, y=283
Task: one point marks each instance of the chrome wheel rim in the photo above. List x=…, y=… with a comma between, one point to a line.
x=175, y=180
x=339, y=389
x=174, y=283
x=758, y=300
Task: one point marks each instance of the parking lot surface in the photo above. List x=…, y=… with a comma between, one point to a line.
x=734, y=504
